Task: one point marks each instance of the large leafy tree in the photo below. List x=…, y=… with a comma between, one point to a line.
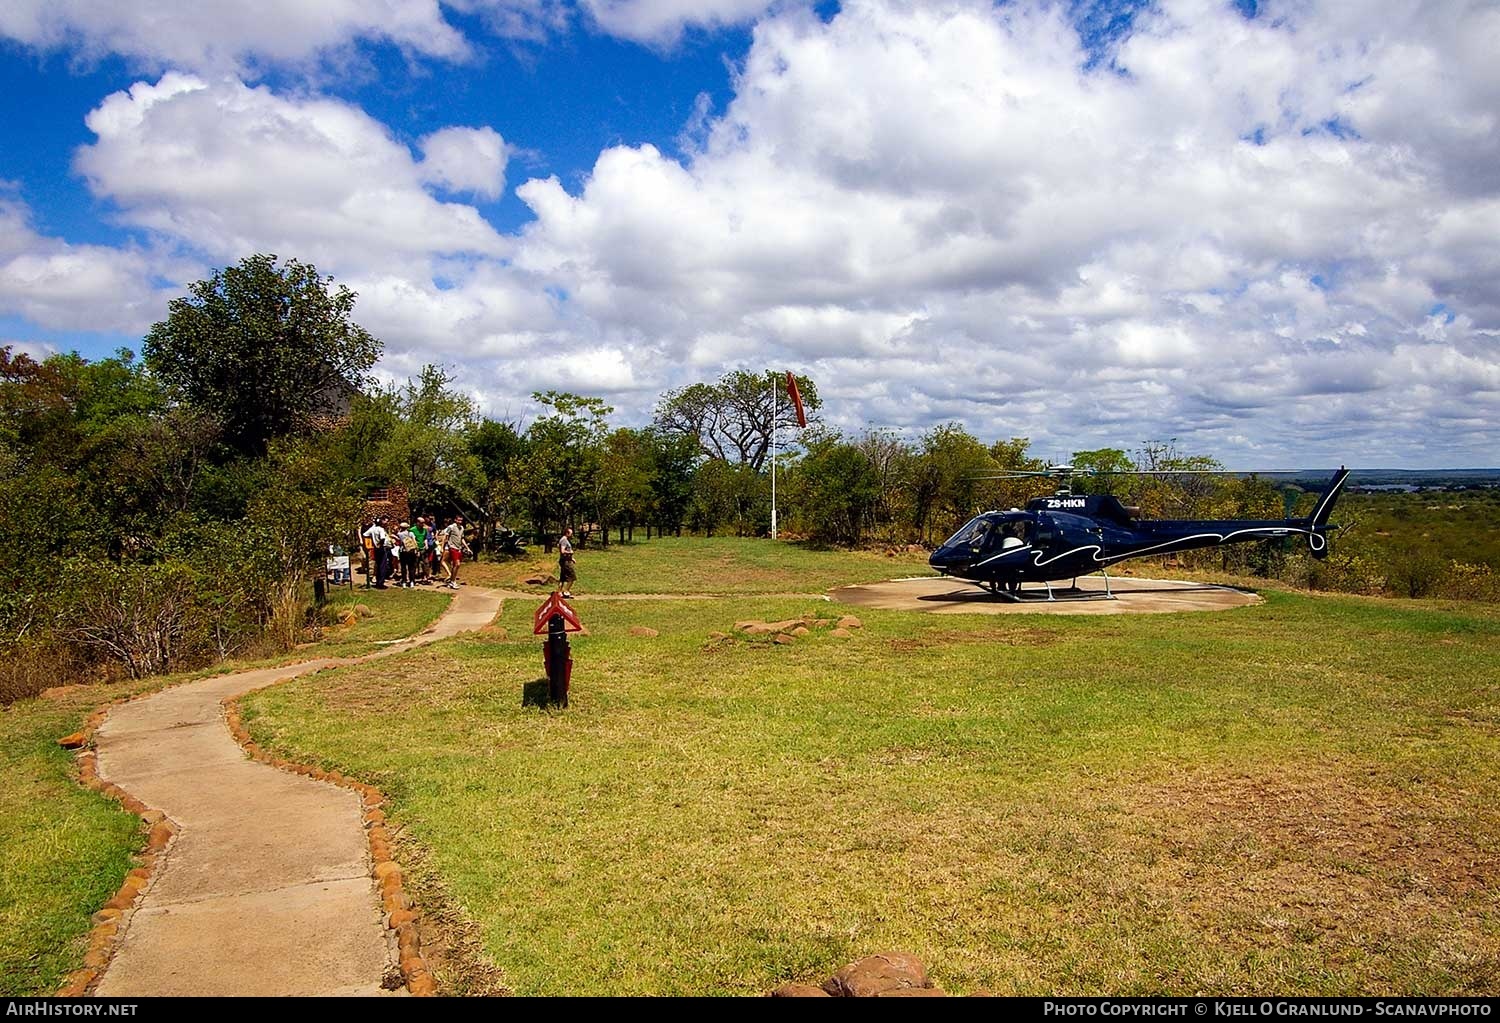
x=557, y=474
x=424, y=447
x=265, y=345
x=735, y=419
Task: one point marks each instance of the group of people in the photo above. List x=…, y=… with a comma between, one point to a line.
x=415, y=552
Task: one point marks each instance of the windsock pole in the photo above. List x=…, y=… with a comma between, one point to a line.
x=774, y=415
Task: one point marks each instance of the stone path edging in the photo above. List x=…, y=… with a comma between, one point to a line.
x=158, y=840
x=112, y=921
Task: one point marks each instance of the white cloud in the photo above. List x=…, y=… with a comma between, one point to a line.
x=65, y=287
x=230, y=170
x=235, y=37
x=228, y=35
x=466, y=160
x=1240, y=213
x=662, y=22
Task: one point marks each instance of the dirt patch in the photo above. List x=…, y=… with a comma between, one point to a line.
x=452, y=943
x=968, y=637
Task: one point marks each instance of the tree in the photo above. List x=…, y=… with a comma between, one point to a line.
x=946, y=478
x=496, y=445
x=838, y=488
x=556, y=474
x=733, y=420
x=674, y=462
x=265, y=347
x=892, y=459
x=424, y=447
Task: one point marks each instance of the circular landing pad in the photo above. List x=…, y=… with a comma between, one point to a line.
x=1133, y=596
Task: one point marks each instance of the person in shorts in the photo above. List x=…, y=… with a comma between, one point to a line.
x=454, y=549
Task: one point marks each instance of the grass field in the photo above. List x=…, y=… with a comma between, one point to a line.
x=713, y=565
x=65, y=850
x=1299, y=797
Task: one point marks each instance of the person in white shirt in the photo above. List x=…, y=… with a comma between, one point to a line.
x=454, y=548
x=566, y=571
x=380, y=550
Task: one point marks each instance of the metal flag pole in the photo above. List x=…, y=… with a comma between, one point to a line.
x=774, y=410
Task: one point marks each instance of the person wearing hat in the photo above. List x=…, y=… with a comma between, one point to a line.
x=406, y=543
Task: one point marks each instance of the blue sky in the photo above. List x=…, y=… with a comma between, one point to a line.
x=1271, y=230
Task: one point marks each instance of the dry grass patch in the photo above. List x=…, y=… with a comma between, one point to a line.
x=1346, y=863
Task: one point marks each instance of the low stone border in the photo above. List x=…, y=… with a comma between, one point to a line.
x=159, y=839
x=401, y=913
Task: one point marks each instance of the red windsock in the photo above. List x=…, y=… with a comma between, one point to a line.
x=791, y=388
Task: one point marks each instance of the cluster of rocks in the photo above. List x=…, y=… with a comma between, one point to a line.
x=350, y=615
x=793, y=629
x=886, y=975
x=911, y=548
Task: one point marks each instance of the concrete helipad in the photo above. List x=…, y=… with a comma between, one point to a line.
x=1134, y=596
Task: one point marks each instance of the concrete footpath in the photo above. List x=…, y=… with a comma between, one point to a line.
x=267, y=888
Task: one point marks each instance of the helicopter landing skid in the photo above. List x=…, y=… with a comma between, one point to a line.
x=1053, y=594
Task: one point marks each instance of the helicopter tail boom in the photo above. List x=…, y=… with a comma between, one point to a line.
x=1317, y=523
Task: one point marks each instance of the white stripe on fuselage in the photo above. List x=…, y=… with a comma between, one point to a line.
x=1266, y=531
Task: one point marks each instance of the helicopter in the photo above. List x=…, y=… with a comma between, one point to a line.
x=1069, y=535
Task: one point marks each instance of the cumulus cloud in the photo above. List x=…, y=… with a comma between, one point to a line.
x=64, y=286
x=231, y=169
x=662, y=22
x=466, y=160
x=228, y=35
x=1224, y=217
x=231, y=36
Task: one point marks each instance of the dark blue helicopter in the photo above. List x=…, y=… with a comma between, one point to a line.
x=1066, y=536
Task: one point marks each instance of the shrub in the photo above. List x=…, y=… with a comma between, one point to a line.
x=148, y=618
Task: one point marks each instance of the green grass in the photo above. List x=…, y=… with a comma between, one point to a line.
x=64, y=850
x=1298, y=797
x=712, y=565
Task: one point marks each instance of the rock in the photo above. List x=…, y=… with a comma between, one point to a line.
x=783, y=639
x=75, y=741
x=363, y=610
x=874, y=975
x=716, y=636
x=799, y=991
x=745, y=625
x=788, y=625
x=757, y=629
x=799, y=631
x=496, y=632
x=643, y=631
x=840, y=633
x=822, y=623
x=536, y=580
x=57, y=692
x=348, y=618
x=850, y=622
x=913, y=992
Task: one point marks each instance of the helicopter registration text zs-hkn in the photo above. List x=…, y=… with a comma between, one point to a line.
x=1054, y=503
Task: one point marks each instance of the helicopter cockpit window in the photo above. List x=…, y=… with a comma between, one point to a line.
x=975, y=533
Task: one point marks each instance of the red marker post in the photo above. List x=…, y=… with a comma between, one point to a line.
x=555, y=619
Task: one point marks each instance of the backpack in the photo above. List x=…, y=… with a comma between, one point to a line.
x=408, y=542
